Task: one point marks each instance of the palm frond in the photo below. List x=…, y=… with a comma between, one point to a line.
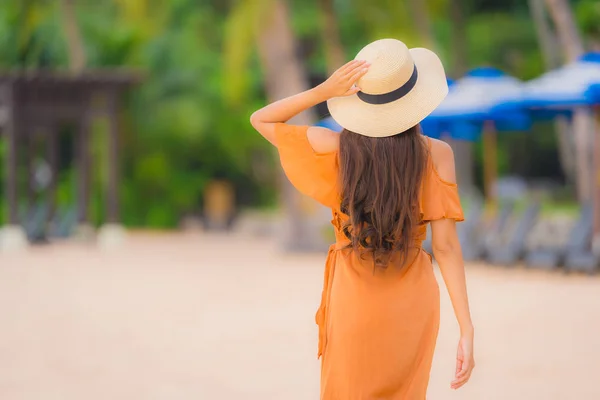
x=241, y=30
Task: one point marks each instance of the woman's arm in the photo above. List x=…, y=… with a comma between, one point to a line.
x=264, y=120
x=448, y=254
x=339, y=84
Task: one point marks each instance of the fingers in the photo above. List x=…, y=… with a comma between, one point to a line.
x=344, y=79
x=464, y=369
x=353, y=69
x=352, y=90
x=459, y=364
x=359, y=74
x=349, y=66
x=463, y=374
x=462, y=378
x=459, y=382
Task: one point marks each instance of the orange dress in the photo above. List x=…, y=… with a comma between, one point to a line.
x=377, y=330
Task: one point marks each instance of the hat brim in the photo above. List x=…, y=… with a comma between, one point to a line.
x=381, y=120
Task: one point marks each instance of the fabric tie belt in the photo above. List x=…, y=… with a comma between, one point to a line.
x=321, y=317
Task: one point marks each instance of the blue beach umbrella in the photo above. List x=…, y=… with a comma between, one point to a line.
x=472, y=102
x=564, y=87
x=559, y=91
x=593, y=94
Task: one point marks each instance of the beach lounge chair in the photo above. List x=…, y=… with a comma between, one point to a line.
x=64, y=223
x=492, y=232
x=35, y=222
x=511, y=248
x=555, y=245
x=579, y=255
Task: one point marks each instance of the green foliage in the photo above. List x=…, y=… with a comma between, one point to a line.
x=514, y=50
x=28, y=35
x=177, y=132
x=188, y=122
x=241, y=32
x=588, y=16
x=393, y=20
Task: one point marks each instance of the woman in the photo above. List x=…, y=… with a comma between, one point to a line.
x=384, y=181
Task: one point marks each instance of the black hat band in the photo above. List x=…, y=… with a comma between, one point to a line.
x=390, y=96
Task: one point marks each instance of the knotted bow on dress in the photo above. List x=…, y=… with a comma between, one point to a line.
x=321, y=316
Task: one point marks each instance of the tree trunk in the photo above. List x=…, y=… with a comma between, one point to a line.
x=568, y=34
x=463, y=150
x=545, y=35
x=551, y=53
x=284, y=76
x=566, y=149
x=334, y=51
x=75, y=48
x=583, y=135
x=459, y=38
x=572, y=46
x=422, y=22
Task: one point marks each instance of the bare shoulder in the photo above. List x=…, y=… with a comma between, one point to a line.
x=443, y=160
x=441, y=149
x=323, y=140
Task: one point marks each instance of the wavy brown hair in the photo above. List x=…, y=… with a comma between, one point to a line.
x=380, y=185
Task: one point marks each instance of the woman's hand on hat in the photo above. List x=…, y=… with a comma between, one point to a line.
x=343, y=81
x=340, y=83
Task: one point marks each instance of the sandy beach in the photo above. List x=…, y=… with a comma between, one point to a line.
x=193, y=316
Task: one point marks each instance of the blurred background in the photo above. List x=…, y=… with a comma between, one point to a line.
x=152, y=249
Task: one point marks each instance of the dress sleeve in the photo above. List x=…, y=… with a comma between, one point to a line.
x=439, y=199
x=313, y=174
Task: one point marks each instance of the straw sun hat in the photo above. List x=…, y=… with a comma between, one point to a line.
x=401, y=88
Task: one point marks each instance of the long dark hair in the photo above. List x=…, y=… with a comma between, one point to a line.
x=380, y=180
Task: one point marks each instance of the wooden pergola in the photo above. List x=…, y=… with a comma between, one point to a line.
x=34, y=102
